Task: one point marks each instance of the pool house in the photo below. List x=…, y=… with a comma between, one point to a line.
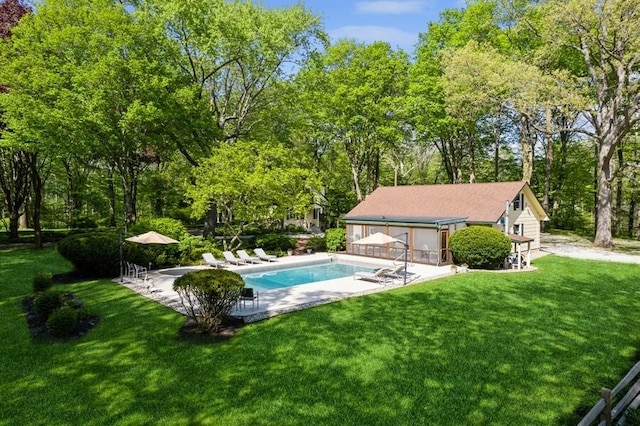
x=425, y=216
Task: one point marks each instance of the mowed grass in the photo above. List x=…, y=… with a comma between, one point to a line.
x=480, y=348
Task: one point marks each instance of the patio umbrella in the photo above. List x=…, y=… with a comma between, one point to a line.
x=377, y=239
x=380, y=239
x=151, y=237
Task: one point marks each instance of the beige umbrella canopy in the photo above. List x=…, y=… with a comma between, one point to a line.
x=378, y=239
x=151, y=237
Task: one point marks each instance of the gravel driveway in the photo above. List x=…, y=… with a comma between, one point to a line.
x=581, y=248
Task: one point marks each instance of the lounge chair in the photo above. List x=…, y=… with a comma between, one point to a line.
x=249, y=259
x=379, y=275
x=230, y=258
x=397, y=272
x=212, y=261
x=264, y=256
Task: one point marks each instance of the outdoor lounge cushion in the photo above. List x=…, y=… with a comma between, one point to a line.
x=212, y=261
x=264, y=256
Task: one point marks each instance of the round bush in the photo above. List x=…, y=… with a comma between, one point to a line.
x=42, y=282
x=209, y=295
x=336, y=239
x=62, y=322
x=480, y=247
x=46, y=303
x=274, y=242
x=93, y=254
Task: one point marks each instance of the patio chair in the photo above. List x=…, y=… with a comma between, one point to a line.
x=379, y=275
x=249, y=294
x=264, y=256
x=212, y=261
x=231, y=259
x=249, y=259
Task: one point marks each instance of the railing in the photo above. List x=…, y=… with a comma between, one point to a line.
x=430, y=257
x=602, y=411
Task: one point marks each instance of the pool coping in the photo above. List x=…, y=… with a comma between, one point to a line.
x=289, y=299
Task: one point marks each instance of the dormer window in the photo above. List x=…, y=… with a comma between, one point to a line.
x=518, y=203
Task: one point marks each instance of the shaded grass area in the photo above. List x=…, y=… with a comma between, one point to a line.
x=478, y=348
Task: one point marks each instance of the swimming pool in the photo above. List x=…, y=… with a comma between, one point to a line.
x=271, y=280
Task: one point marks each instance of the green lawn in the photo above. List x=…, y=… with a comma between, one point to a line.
x=478, y=348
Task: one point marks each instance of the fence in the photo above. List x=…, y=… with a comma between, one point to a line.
x=602, y=411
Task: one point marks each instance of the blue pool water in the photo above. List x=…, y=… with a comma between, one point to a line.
x=270, y=280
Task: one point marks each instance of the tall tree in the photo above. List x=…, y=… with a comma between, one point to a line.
x=253, y=183
x=354, y=91
x=606, y=36
x=14, y=161
x=94, y=79
x=233, y=52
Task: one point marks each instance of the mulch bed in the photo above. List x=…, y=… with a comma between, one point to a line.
x=190, y=332
x=38, y=328
x=68, y=278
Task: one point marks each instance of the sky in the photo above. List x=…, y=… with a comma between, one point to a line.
x=397, y=22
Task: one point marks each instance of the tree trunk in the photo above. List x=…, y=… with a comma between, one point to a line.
x=472, y=158
x=548, y=166
x=210, y=220
x=496, y=154
x=37, y=185
x=603, y=200
x=617, y=218
x=527, y=150
x=14, y=182
x=111, y=192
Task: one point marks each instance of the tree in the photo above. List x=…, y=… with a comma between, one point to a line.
x=14, y=162
x=354, y=92
x=233, y=52
x=93, y=79
x=253, y=183
x=606, y=37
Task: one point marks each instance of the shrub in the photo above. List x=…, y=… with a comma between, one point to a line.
x=83, y=223
x=191, y=250
x=156, y=254
x=46, y=303
x=336, y=239
x=275, y=242
x=317, y=243
x=208, y=296
x=62, y=322
x=42, y=282
x=170, y=227
x=480, y=247
x=93, y=254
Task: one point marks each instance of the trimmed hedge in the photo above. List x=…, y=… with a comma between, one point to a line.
x=480, y=247
x=208, y=296
x=93, y=254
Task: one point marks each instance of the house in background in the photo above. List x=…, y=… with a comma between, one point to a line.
x=427, y=215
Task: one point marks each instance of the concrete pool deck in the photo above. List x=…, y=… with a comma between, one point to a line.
x=159, y=285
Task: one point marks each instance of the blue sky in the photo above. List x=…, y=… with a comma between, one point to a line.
x=397, y=22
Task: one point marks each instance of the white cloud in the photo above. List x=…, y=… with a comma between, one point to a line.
x=390, y=7
x=371, y=33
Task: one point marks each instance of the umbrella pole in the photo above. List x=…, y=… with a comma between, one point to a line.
x=121, y=268
x=406, y=252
